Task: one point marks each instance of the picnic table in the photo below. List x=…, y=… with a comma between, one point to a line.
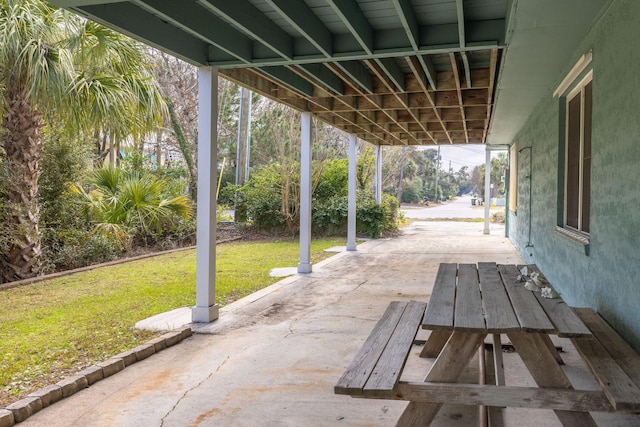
x=472, y=303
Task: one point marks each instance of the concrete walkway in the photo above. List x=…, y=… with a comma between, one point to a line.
x=273, y=358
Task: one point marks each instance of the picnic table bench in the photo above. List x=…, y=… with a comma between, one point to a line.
x=468, y=303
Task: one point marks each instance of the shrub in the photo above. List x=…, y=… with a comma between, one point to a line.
x=369, y=215
x=66, y=249
x=330, y=216
x=261, y=197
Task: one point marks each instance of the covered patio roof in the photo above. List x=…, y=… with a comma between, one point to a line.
x=391, y=72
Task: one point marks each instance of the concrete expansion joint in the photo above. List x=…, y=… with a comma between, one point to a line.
x=46, y=396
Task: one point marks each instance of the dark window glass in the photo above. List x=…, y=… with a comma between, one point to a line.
x=573, y=162
x=586, y=161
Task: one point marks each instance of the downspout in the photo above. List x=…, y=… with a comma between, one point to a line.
x=529, y=244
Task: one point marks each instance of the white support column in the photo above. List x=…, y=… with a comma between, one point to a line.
x=206, y=309
x=351, y=217
x=487, y=190
x=304, y=266
x=378, y=175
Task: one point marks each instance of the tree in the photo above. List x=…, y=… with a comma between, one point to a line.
x=499, y=164
x=91, y=79
x=124, y=204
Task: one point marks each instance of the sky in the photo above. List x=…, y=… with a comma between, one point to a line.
x=463, y=155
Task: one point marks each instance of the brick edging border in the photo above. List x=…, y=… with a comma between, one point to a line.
x=45, y=396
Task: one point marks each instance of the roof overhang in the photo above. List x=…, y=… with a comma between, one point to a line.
x=541, y=44
x=392, y=72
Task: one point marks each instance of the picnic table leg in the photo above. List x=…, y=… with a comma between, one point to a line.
x=452, y=360
x=435, y=343
x=545, y=370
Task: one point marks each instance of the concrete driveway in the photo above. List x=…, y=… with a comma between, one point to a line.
x=273, y=358
x=458, y=208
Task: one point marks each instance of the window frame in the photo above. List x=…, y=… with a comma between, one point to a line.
x=577, y=232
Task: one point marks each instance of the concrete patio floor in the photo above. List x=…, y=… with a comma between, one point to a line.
x=273, y=358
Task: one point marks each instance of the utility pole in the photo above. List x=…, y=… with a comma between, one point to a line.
x=402, y=163
x=437, y=167
x=244, y=132
x=244, y=142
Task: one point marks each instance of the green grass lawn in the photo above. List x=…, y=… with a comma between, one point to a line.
x=53, y=328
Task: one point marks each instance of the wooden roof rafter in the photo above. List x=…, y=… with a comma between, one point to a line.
x=379, y=68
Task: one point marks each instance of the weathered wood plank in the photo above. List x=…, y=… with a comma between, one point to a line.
x=447, y=367
x=387, y=371
x=468, y=315
x=565, y=320
x=499, y=314
x=541, y=363
x=498, y=362
x=567, y=323
x=530, y=313
x=435, y=343
x=439, y=313
x=622, y=392
x=616, y=346
x=509, y=396
x=355, y=377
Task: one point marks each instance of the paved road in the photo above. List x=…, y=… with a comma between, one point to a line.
x=459, y=208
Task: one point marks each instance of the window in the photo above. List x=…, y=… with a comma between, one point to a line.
x=577, y=183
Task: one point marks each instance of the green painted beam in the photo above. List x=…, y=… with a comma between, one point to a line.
x=409, y=22
x=429, y=70
x=127, y=19
x=289, y=79
x=463, y=40
x=193, y=18
x=361, y=55
x=325, y=77
x=302, y=18
x=358, y=73
x=460, y=13
x=467, y=68
x=393, y=71
x=252, y=21
x=353, y=18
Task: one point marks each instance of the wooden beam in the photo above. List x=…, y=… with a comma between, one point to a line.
x=197, y=21
x=126, y=18
x=323, y=76
x=303, y=19
x=289, y=79
x=353, y=72
x=358, y=25
x=253, y=22
x=492, y=395
x=409, y=22
x=492, y=78
x=454, y=67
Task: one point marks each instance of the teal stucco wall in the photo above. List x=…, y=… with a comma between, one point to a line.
x=608, y=277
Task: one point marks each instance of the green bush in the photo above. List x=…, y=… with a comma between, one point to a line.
x=66, y=249
x=334, y=180
x=392, y=214
x=329, y=217
x=260, y=198
x=370, y=216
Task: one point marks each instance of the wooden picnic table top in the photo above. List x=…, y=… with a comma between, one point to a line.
x=488, y=297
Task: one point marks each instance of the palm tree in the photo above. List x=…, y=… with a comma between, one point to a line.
x=91, y=79
x=123, y=204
